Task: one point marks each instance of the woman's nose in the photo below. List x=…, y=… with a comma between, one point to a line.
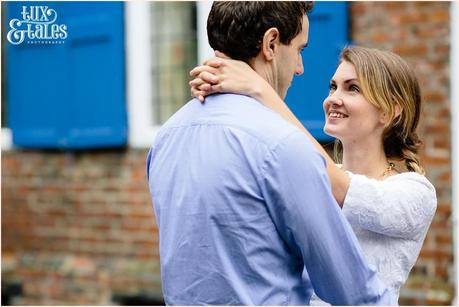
x=334, y=99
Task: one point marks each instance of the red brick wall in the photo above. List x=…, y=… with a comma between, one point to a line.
x=420, y=33
x=78, y=228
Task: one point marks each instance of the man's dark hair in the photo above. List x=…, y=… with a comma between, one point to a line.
x=236, y=28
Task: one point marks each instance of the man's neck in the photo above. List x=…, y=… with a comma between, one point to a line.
x=266, y=71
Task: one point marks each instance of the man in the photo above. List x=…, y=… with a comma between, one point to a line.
x=242, y=199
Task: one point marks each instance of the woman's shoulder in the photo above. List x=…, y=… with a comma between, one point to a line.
x=411, y=183
x=415, y=183
x=410, y=177
x=406, y=194
x=408, y=182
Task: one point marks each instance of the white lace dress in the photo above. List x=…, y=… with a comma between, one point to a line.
x=390, y=219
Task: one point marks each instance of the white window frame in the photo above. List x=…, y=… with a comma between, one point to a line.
x=139, y=84
x=139, y=80
x=7, y=139
x=6, y=134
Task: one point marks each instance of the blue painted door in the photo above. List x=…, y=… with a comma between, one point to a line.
x=66, y=79
x=328, y=34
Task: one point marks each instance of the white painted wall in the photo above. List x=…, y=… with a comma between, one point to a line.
x=204, y=49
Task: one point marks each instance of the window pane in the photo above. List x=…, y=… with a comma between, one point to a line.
x=174, y=53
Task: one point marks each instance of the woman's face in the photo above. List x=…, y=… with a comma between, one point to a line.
x=348, y=115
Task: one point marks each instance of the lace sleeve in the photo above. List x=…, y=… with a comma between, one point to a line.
x=400, y=206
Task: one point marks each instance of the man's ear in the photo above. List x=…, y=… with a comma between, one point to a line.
x=270, y=43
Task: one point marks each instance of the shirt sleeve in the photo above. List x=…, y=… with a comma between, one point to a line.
x=299, y=199
x=399, y=207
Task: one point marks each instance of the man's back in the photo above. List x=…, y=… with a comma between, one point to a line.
x=235, y=228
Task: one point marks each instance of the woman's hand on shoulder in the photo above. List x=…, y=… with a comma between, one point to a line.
x=224, y=75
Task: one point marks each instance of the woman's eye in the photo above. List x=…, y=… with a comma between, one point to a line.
x=332, y=87
x=354, y=88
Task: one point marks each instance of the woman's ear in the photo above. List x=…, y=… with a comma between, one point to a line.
x=398, y=111
x=386, y=120
x=270, y=43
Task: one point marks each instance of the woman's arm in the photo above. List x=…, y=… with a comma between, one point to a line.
x=225, y=75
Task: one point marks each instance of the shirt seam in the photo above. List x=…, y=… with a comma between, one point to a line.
x=227, y=125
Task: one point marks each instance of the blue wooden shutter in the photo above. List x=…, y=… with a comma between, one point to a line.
x=69, y=95
x=328, y=34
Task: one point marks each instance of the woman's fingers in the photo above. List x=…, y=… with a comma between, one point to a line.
x=199, y=69
x=200, y=89
x=208, y=77
x=200, y=84
x=198, y=93
x=219, y=74
x=196, y=82
x=205, y=87
x=214, y=62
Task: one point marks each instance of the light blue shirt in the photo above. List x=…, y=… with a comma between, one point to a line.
x=243, y=205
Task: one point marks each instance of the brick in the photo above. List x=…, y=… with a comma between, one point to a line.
x=442, y=143
x=444, y=114
x=445, y=238
x=445, y=178
x=436, y=161
x=441, y=16
x=380, y=37
x=437, y=127
x=412, y=17
x=442, y=49
x=358, y=8
x=443, y=211
x=395, y=6
x=434, y=97
x=411, y=50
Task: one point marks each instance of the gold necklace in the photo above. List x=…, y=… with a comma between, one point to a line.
x=388, y=169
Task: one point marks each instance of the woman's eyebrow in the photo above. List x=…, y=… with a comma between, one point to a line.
x=350, y=80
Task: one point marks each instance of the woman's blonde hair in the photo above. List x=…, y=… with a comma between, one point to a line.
x=389, y=83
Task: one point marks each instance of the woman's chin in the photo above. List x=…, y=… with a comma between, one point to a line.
x=330, y=132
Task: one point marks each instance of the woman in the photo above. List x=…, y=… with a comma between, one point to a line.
x=373, y=110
